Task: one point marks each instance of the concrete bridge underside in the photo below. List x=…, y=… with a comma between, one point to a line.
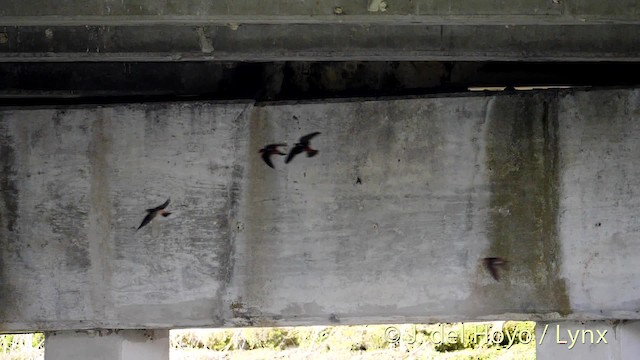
x=389, y=223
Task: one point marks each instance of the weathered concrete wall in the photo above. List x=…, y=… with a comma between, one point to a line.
x=73, y=185
x=601, y=182
x=546, y=180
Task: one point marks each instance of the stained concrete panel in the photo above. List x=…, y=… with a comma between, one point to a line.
x=389, y=222
x=77, y=185
x=601, y=194
x=413, y=214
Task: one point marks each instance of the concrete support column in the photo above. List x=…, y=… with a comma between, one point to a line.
x=588, y=340
x=107, y=345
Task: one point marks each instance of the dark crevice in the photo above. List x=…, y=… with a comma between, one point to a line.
x=117, y=82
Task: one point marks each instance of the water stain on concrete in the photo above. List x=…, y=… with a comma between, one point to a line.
x=100, y=218
x=8, y=215
x=258, y=185
x=8, y=188
x=77, y=257
x=523, y=155
x=228, y=220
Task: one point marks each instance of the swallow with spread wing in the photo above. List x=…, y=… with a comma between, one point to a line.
x=151, y=213
x=271, y=149
x=303, y=145
x=492, y=264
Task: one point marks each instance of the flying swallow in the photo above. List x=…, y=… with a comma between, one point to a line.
x=492, y=264
x=155, y=211
x=303, y=145
x=269, y=150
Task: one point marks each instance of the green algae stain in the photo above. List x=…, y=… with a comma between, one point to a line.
x=9, y=238
x=523, y=165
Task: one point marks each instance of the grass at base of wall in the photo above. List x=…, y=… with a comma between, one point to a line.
x=457, y=341
x=498, y=340
x=22, y=346
x=517, y=352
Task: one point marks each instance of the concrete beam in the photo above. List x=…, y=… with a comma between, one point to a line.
x=276, y=30
x=335, y=42
x=107, y=345
x=196, y=12
x=388, y=223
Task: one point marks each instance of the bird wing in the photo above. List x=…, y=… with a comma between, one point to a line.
x=491, y=266
x=305, y=139
x=271, y=147
x=166, y=203
x=267, y=159
x=494, y=272
x=295, y=151
x=147, y=219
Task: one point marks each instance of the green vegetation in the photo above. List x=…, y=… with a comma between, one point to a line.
x=515, y=340
x=22, y=346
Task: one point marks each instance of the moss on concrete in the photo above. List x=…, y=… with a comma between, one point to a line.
x=523, y=165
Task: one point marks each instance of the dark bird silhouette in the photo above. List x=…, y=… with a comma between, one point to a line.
x=492, y=264
x=269, y=150
x=303, y=145
x=153, y=212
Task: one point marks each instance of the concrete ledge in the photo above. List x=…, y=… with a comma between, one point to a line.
x=263, y=42
x=104, y=12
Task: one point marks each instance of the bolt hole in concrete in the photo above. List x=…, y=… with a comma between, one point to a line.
x=513, y=339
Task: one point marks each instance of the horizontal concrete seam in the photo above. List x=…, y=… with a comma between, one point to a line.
x=297, y=56
x=396, y=20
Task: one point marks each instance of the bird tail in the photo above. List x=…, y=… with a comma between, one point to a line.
x=312, y=153
x=165, y=214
